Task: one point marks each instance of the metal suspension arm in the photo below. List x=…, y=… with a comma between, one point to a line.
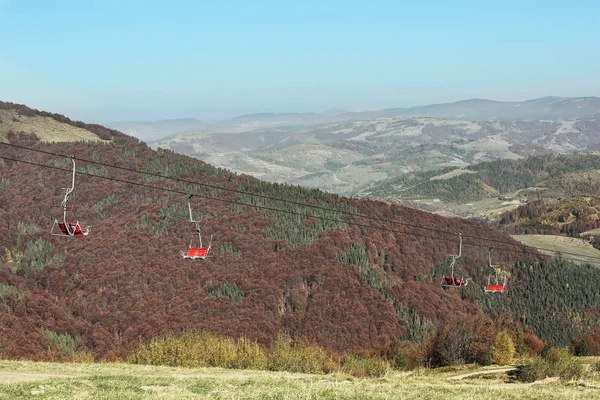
x=71, y=189
x=190, y=208
x=457, y=256
x=69, y=192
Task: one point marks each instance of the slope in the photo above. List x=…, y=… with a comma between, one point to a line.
x=341, y=286
x=495, y=184
x=47, y=129
x=380, y=149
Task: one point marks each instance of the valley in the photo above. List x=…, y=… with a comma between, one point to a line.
x=351, y=153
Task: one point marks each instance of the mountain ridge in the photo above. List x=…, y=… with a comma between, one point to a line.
x=505, y=110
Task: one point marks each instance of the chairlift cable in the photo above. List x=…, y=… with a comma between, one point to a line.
x=522, y=250
x=212, y=186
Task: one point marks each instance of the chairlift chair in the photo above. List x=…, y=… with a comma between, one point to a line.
x=66, y=228
x=196, y=253
x=449, y=281
x=494, y=285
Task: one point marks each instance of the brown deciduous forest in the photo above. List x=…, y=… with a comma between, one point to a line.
x=339, y=286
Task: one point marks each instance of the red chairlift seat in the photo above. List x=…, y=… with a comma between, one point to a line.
x=194, y=253
x=491, y=288
x=457, y=282
x=74, y=229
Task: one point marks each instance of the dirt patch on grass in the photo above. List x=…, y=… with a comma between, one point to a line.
x=479, y=373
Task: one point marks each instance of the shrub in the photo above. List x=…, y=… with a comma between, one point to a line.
x=552, y=362
x=403, y=354
x=295, y=356
x=466, y=340
x=249, y=355
x=520, y=347
x=372, y=367
x=82, y=357
x=534, y=344
x=502, y=349
x=393, y=353
x=413, y=355
x=581, y=348
x=587, y=345
x=193, y=349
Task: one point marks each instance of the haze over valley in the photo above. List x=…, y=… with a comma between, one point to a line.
x=350, y=153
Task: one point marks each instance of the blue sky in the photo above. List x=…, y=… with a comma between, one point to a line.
x=110, y=60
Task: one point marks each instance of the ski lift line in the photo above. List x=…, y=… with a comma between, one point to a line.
x=258, y=195
x=195, y=183
x=295, y=213
x=586, y=258
x=238, y=203
x=248, y=193
x=580, y=258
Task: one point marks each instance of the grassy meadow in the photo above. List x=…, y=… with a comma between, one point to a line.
x=577, y=249
x=36, y=380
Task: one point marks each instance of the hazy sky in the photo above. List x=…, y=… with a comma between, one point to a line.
x=110, y=60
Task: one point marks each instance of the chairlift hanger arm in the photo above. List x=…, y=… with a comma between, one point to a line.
x=190, y=208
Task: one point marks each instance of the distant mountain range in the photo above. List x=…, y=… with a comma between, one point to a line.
x=159, y=129
x=348, y=157
x=545, y=108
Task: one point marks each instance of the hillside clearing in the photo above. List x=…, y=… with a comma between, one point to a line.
x=578, y=249
x=452, y=174
x=45, y=128
x=124, y=381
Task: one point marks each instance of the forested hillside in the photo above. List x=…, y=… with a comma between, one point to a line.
x=571, y=217
x=550, y=175
x=324, y=280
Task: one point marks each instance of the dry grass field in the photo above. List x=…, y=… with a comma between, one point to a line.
x=32, y=380
x=45, y=128
x=578, y=249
